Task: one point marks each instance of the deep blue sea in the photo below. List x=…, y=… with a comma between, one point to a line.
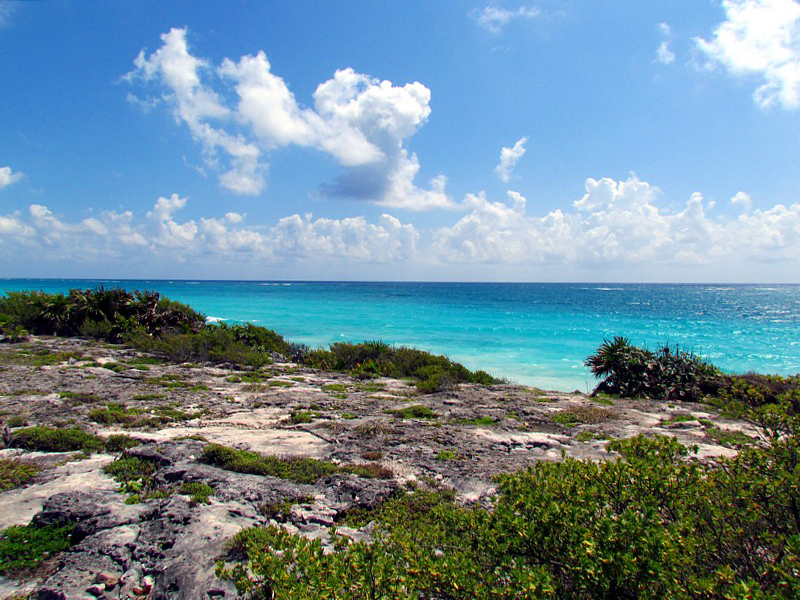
x=531, y=333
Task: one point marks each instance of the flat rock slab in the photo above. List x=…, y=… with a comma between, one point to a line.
x=18, y=507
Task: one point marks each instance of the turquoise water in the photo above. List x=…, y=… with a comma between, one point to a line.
x=535, y=334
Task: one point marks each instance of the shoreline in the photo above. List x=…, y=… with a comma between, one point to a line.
x=529, y=335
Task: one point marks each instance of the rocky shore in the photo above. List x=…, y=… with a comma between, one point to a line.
x=383, y=433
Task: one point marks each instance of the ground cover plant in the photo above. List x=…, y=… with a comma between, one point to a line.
x=299, y=470
x=54, y=439
x=25, y=547
x=15, y=472
x=415, y=411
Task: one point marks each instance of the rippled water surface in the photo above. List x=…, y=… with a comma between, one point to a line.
x=537, y=334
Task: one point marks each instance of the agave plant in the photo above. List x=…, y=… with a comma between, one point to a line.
x=666, y=374
x=610, y=357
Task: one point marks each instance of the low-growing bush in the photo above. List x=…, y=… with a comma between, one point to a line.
x=376, y=358
x=300, y=470
x=15, y=472
x=118, y=414
x=198, y=492
x=583, y=415
x=24, y=547
x=652, y=524
x=50, y=439
x=415, y=411
x=371, y=470
x=134, y=475
x=117, y=442
x=104, y=313
x=278, y=510
x=299, y=417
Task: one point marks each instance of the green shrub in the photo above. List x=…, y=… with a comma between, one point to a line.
x=582, y=414
x=49, y=439
x=334, y=387
x=211, y=344
x=376, y=358
x=478, y=421
x=134, y=475
x=15, y=472
x=80, y=397
x=445, y=455
x=104, y=313
x=298, y=417
x=198, y=492
x=130, y=468
x=666, y=374
x=300, y=470
x=16, y=421
x=118, y=414
x=416, y=411
x=117, y=442
x=24, y=547
x=278, y=510
x=370, y=470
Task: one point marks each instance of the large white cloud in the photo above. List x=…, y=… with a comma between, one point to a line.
x=362, y=122
x=760, y=38
x=7, y=177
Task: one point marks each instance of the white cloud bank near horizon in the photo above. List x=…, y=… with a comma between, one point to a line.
x=361, y=122
x=615, y=224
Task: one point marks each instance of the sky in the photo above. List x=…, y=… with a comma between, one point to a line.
x=551, y=140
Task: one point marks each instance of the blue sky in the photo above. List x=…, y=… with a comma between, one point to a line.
x=559, y=140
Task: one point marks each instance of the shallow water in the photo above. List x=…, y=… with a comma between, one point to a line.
x=535, y=334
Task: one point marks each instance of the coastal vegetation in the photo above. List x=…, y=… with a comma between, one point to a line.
x=654, y=522
x=178, y=333
x=651, y=524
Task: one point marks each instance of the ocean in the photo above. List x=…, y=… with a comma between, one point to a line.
x=535, y=334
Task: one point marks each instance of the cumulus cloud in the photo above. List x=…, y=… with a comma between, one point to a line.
x=494, y=18
x=742, y=200
x=664, y=55
x=362, y=122
x=617, y=223
x=760, y=38
x=509, y=158
x=7, y=177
